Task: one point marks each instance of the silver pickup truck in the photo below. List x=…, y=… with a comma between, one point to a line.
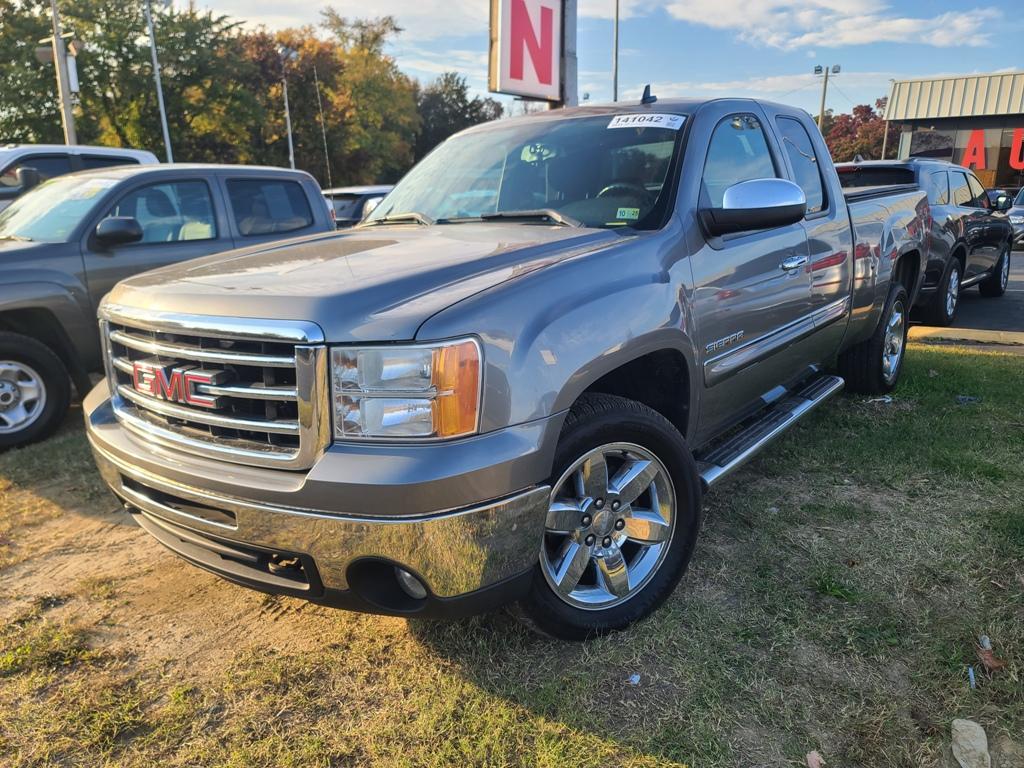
x=518, y=377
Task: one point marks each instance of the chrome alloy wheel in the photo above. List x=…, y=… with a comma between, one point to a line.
x=892, y=347
x=609, y=526
x=953, y=291
x=22, y=396
x=1004, y=273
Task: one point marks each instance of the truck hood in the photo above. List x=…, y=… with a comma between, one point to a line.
x=372, y=284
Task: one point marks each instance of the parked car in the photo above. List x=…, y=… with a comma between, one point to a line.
x=969, y=240
x=66, y=243
x=1016, y=217
x=352, y=204
x=467, y=400
x=51, y=160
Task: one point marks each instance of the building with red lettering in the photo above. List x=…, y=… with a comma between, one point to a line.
x=974, y=120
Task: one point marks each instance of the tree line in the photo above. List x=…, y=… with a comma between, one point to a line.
x=223, y=88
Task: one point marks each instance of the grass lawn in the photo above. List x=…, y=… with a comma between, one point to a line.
x=834, y=603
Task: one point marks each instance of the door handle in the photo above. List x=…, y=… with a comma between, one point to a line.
x=793, y=262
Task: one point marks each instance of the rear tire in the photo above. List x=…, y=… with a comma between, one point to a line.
x=873, y=367
x=994, y=285
x=612, y=553
x=34, y=390
x=944, y=304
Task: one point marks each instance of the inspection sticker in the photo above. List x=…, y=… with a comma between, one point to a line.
x=627, y=213
x=648, y=120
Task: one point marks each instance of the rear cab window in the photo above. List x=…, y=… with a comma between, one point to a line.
x=93, y=162
x=805, y=163
x=268, y=206
x=858, y=177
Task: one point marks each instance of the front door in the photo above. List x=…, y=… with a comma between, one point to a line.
x=751, y=289
x=179, y=222
x=976, y=220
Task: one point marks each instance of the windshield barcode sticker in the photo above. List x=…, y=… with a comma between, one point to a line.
x=648, y=120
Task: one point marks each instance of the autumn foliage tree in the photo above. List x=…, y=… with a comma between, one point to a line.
x=861, y=132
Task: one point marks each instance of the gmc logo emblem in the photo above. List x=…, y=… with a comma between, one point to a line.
x=177, y=384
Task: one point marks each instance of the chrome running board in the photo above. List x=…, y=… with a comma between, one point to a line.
x=724, y=457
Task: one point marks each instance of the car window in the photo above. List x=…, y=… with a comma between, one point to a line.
x=979, y=198
x=48, y=166
x=268, y=206
x=345, y=205
x=738, y=152
x=938, y=188
x=804, y=160
x=92, y=162
x=170, y=212
x=959, y=189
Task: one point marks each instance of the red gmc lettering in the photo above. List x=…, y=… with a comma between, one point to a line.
x=179, y=386
x=523, y=37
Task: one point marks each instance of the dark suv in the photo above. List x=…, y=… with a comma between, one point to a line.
x=969, y=242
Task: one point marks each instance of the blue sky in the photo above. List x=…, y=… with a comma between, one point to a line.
x=763, y=48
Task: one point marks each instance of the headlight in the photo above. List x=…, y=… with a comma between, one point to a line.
x=429, y=391
x=1017, y=219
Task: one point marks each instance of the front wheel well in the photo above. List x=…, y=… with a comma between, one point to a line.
x=660, y=380
x=43, y=326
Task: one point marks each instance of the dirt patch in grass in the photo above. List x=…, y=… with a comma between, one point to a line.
x=834, y=603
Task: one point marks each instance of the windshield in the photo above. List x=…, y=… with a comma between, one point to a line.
x=51, y=212
x=1020, y=198
x=603, y=171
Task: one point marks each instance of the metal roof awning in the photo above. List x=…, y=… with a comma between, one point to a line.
x=963, y=96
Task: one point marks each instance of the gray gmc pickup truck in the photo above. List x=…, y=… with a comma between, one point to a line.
x=517, y=378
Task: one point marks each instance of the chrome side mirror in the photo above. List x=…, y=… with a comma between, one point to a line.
x=756, y=204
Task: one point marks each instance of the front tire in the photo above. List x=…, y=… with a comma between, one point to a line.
x=34, y=390
x=942, y=309
x=873, y=367
x=994, y=286
x=622, y=523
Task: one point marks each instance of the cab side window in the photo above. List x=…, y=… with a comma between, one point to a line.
x=938, y=188
x=804, y=160
x=979, y=197
x=960, y=189
x=268, y=206
x=47, y=165
x=171, y=212
x=738, y=152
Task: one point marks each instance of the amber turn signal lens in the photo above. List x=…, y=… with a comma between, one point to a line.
x=456, y=378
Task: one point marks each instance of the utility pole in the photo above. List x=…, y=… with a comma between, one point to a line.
x=287, y=54
x=615, y=55
x=147, y=8
x=60, y=60
x=824, y=91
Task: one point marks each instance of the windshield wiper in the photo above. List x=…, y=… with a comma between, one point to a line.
x=549, y=214
x=19, y=238
x=412, y=217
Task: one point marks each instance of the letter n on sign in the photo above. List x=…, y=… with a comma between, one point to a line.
x=526, y=48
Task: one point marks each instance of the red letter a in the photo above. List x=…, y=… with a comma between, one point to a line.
x=974, y=154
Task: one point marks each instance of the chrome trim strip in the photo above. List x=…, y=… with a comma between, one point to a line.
x=831, y=312
x=293, y=331
x=190, y=352
x=714, y=473
x=149, y=503
x=165, y=408
x=224, y=449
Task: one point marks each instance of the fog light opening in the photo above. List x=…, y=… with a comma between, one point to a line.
x=412, y=586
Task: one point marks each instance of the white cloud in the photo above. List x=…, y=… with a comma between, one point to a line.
x=768, y=87
x=791, y=24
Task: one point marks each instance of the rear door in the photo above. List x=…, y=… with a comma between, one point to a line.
x=829, y=235
x=180, y=220
x=752, y=297
x=973, y=221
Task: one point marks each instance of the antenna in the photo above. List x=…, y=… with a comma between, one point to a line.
x=648, y=97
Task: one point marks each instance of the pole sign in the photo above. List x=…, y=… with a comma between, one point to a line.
x=526, y=48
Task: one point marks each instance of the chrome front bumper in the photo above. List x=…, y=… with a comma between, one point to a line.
x=453, y=552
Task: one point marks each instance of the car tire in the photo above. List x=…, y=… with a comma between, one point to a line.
x=35, y=390
x=995, y=284
x=941, y=311
x=629, y=552
x=873, y=367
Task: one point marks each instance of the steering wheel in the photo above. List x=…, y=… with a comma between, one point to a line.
x=616, y=188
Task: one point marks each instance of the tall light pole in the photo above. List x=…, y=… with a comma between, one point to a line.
x=287, y=54
x=60, y=60
x=148, y=10
x=818, y=70
x=615, y=55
